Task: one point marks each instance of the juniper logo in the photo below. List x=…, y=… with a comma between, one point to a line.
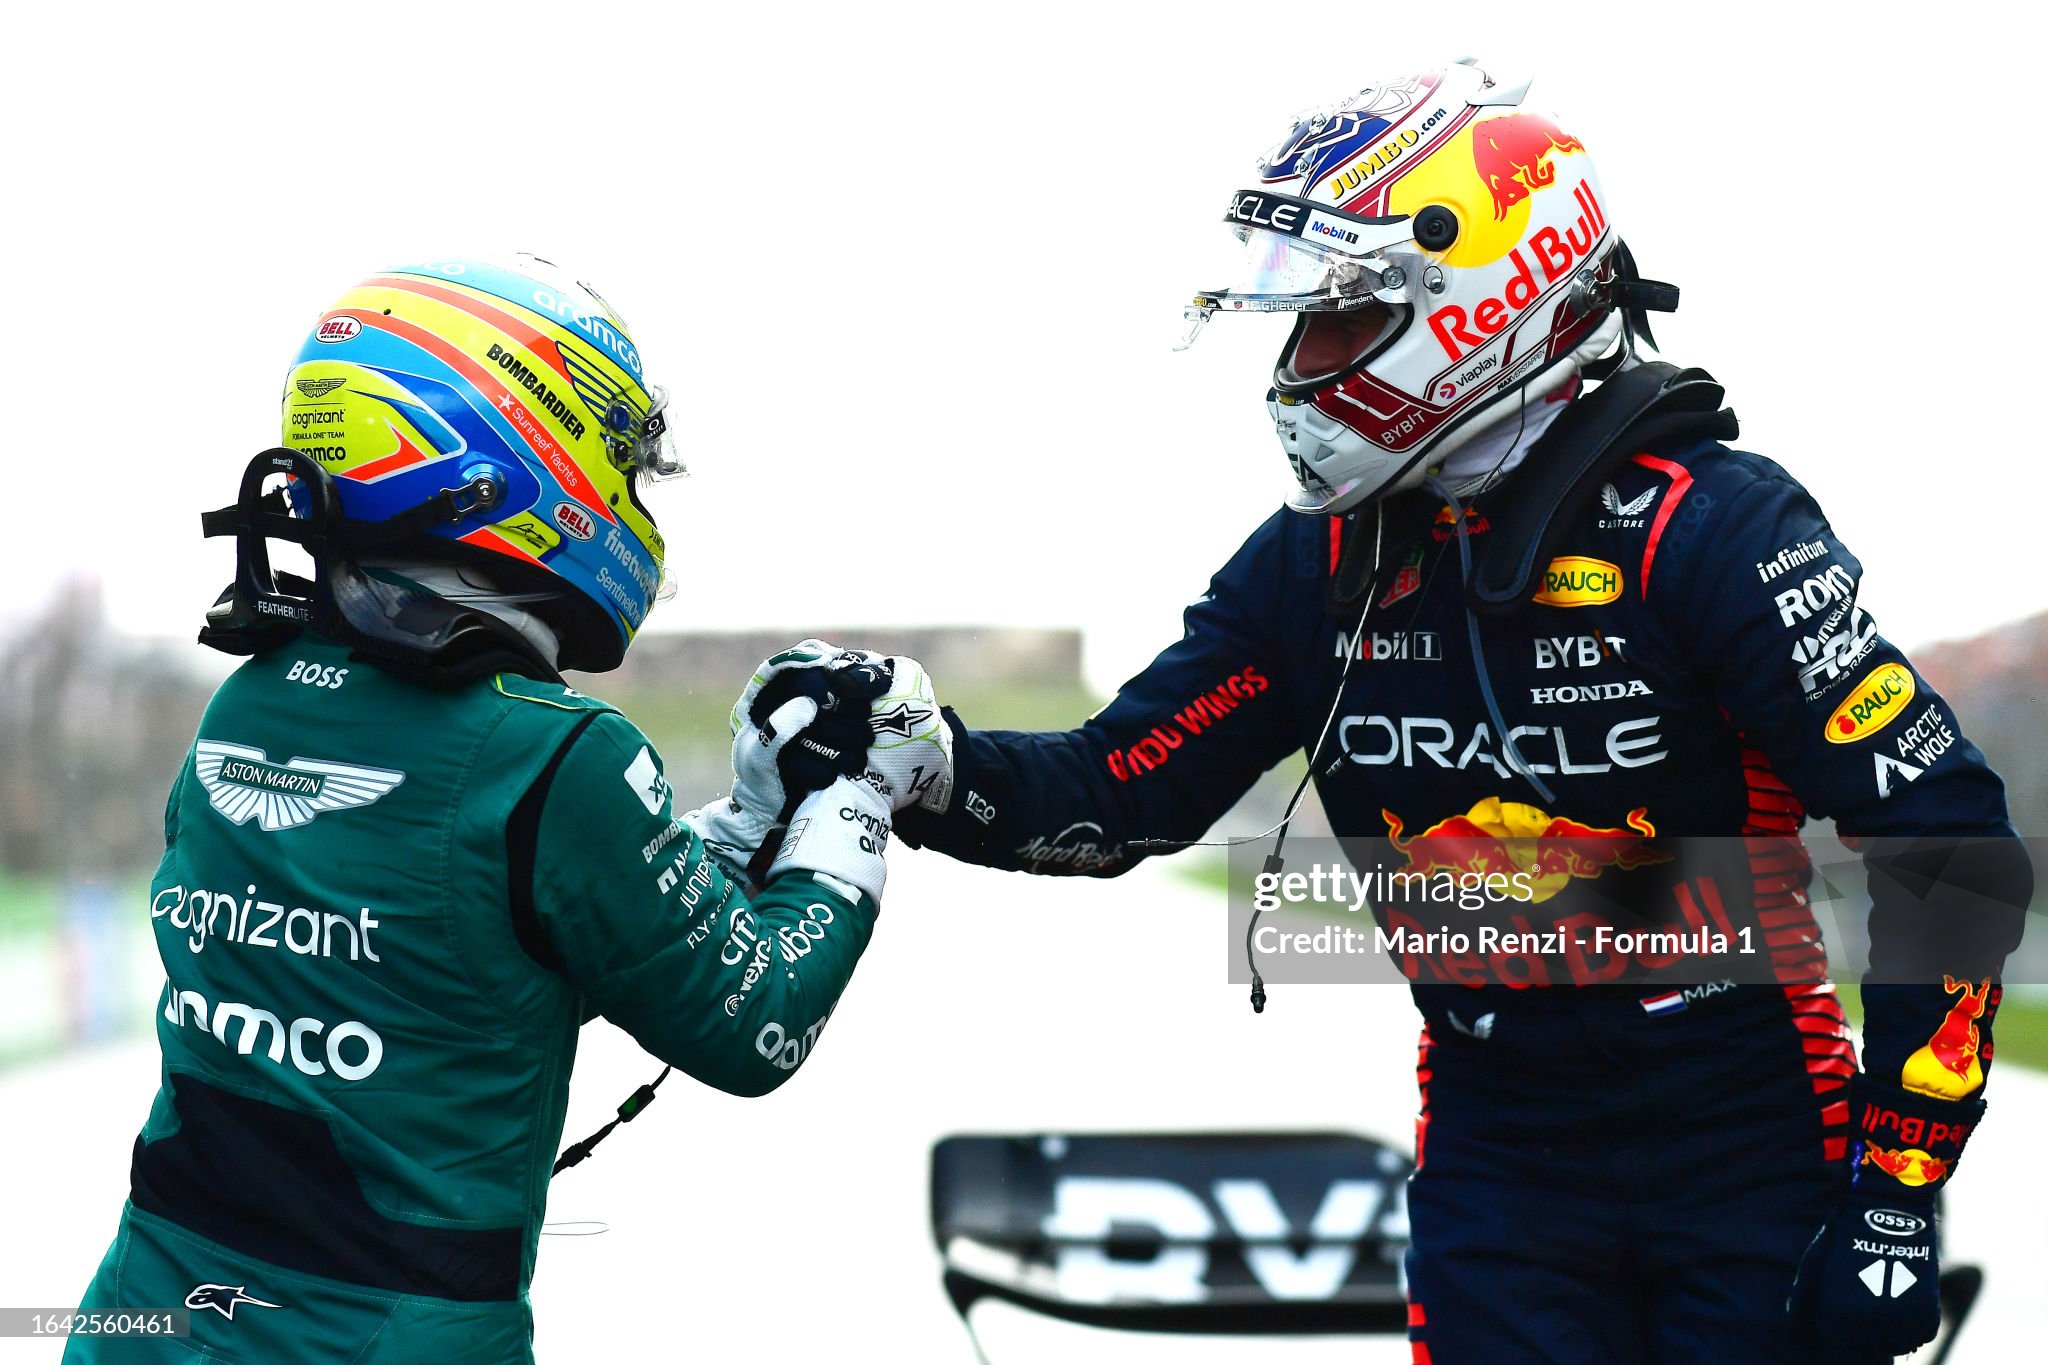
x=244, y=785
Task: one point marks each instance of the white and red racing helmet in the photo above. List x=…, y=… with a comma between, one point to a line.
x=1450, y=259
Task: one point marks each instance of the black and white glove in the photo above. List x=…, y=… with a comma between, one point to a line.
x=799, y=726
x=1867, y=1288
x=910, y=750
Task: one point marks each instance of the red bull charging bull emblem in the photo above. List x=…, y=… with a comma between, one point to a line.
x=1512, y=154
x=1948, y=1066
x=1510, y=838
x=1908, y=1165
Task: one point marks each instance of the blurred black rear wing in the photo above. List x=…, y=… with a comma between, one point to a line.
x=1215, y=1233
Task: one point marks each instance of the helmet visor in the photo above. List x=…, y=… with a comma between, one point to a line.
x=1276, y=273
x=1296, y=256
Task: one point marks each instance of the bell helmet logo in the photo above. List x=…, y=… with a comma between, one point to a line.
x=576, y=523
x=1576, y=581
x=340, y=327
x=1892, y=1223
x=1874, y=703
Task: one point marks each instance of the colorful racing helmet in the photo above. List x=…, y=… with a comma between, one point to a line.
x=434, y=375
x=1448, y=256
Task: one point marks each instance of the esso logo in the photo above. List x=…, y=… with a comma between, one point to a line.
x=1893, y=1223
x=576, y=523
x=340, y=327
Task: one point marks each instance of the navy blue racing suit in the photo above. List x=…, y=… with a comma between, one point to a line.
x=1600, y=1179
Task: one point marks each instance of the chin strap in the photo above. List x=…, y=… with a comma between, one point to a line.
x=262, y=609
x=1635, y=298
x=1644, y=407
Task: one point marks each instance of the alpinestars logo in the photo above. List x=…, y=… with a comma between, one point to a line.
x=243, y=784
x=224, y=1298
x=901, y=719
x=1624, y=515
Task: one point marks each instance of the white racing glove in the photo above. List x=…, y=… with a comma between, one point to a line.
x=840, y=834
x=910, y=760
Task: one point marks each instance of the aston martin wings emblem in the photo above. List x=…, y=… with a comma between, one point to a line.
x=243, y=784
x=1634, y=507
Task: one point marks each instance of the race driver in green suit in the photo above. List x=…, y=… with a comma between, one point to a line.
x=405, y=863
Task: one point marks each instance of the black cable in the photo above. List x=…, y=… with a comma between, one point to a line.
x=1273, y=864
x=634, y=1106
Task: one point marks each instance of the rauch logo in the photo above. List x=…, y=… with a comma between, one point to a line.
x=1576, y=581
x=1873, y=704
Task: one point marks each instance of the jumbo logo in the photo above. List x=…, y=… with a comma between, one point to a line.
x=576, y=523
x=1873, y=704
x=1576, y=581
x=340, y=327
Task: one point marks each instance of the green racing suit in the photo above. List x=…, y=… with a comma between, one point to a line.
x=384, y=911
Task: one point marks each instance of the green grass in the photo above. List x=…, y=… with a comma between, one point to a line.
x=27, y=907
x=2020, y=1034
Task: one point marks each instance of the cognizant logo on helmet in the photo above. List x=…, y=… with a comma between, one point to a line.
x=1559, y=254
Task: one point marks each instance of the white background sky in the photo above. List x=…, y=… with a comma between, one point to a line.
x=914, y=271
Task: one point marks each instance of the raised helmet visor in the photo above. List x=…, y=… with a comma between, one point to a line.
x=1299, y=256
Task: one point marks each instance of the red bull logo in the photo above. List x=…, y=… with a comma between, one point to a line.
x=1908, y=1165
x=1510, y=838
x=1512, y=154
x=1948, y=1066
x=1446, y=526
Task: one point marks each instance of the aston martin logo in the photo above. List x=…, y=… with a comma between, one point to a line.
x=243, y=785
x=900, y=719
x=319, y=388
